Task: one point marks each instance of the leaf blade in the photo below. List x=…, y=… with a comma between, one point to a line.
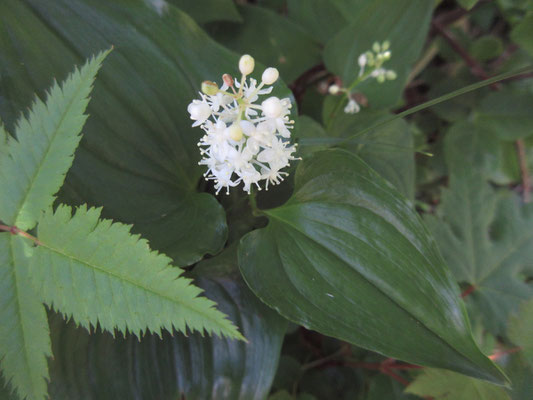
x=134, y=288
x=356, y=260
x=24, y=335
x=96, y=366
x=53, y=129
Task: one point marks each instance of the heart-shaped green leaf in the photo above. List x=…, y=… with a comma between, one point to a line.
x=349, y=257
x=138, y=157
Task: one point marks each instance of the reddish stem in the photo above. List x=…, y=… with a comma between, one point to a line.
x=468, y=290
x=394, y=376
x=501, y=353
x=16, y=231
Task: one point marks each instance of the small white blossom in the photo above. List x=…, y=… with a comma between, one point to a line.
x=370, y=66
x=199, y=111
x=352, y=107
x=244, y=142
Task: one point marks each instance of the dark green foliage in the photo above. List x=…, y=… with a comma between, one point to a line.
x=383, y=304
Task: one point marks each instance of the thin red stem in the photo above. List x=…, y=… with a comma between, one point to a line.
x=468, y=290
x=16, y=231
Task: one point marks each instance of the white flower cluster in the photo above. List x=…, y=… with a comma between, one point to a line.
x=370, y=66
x=244, y=141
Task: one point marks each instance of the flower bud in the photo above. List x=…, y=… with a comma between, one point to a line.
x=362, y=60
x=270, y=76
x=235, y=132
x=376, y=47
x=246, y=64
x=272, y=107
x=228, y=80
x=334, y=89
x=209, y=88
x=390, y=75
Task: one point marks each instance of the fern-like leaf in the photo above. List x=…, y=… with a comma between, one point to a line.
x=36, y=162
x=3, y=141
x=98, y=273
x=32, y=169
x=24, y=335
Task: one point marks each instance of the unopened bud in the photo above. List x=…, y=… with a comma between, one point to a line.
x=209, y=88
x=270, y=76
x=376, y=47
x=390, y=75
x=228, y=80
x=246, y=64
x=235, y=132
x=334, y=89
x=385, y=46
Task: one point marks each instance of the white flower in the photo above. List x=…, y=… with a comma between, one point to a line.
x=244, y=142
x=199, y=111
x=370, y=66
x=352, y=107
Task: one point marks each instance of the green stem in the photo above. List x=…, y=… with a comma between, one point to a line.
x=253, y=203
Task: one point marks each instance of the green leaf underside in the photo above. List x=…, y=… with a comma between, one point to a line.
x=32, y=169
x=4, y=138
x=347, y=256
x=521, y=329
x=403, y=22
x=199, y=368
x=24, y=336
x=30, y=178
x=100, y=274
x=486, y=236
x=447, y=385
x=138, y=157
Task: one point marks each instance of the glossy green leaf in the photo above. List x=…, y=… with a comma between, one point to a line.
x=486, y=236
x=507, y=113
x=444, y=385
x=404, y=23
x=322, y=19
x=99, y=367
x=387, y=149
x=138, y=157
x=521, y=329
x=204, y=11
x=272, y=39
x=24, y=337
x=347, y=256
